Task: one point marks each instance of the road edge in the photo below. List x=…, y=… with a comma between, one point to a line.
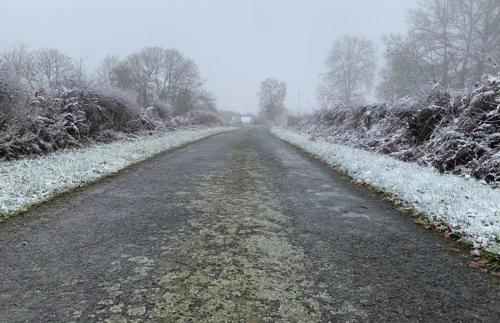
x=487, y=262
x=7, y=217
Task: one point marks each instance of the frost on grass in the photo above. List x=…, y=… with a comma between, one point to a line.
x=28, y=181
x=466, y=206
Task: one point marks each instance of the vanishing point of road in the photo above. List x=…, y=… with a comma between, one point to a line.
x=238, y=227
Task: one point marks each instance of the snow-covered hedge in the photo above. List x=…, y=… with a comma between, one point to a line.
x=467, y=207
x=454, y=132
x=29, y=181
x=76, y=117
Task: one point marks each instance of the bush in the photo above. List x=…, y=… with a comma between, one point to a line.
x=74, y=117
x=197, y=118
x=459, y=134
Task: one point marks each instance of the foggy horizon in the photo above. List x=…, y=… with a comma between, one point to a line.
x=235, y=44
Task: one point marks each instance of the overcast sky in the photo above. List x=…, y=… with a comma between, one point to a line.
x=236, y=43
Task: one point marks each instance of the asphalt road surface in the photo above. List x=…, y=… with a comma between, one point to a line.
x=236, y=227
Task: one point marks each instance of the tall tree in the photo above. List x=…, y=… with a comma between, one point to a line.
x=19, y=62
x=271, y=100
x=153, y=76
x=487, y=42
x=155, y=73
x=106, y=71
x=431, y=27
x=406, y=71
x=450, y=42
x=54, y=68
x=351, y=69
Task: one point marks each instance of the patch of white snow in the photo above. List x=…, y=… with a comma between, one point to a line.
x=466, y=206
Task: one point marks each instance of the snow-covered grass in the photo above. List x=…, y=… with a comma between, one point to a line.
x=466, y=206
x=33, y=180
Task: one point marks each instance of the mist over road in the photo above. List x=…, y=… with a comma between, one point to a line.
x=236, y=227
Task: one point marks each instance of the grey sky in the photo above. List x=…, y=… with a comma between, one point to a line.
x=236, y=43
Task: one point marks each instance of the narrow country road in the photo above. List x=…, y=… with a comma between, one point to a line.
x=236, y=227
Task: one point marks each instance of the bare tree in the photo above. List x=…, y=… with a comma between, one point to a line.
x=157, y=73
x=431, y=26
x=205, y=100
x=176, y=74
x=53, y=68
x=450, y=42
x=106, y=72
x=81, y=78
x=456, y=36
x=487, y=41
x=467, y=16
x=406, y=71
x=271, y=100
x=19, y=62
x=132, y=75
x=351, y=69
x=153, y=76
x=47, y=68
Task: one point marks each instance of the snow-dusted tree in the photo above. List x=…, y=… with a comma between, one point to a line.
x=188, y=100
x=152, y=76
x=157, y=73
x=351, y=69
x=81, y=77
x=450, y=42
x=12, y=97
x=406, y=71
x=132, y=76
x=54, y=68
x=106, y=71
x=271, y=100
x=19, y=62
x=431, y=26
x=457, y=36
x=480, y=30
x=175, y=75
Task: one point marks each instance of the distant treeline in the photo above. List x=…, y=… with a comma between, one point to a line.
x=49, y=101
x=453, y=43
x=153, y=76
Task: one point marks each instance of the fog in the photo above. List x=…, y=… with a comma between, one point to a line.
x=236, y=44
x=249, y=160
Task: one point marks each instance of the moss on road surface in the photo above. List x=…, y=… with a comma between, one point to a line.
x=234, y=262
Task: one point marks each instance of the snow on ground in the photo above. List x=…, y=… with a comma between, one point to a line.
x=468, y=207
x=29, y=181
